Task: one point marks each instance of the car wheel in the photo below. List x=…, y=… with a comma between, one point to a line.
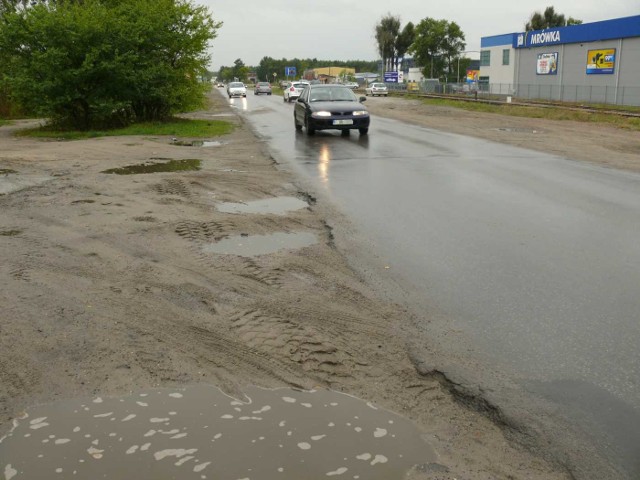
x=310, y=131
x=284, y=99
x=297, y=125
x=363, y=131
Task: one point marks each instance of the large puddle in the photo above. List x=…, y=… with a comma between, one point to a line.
x=276, y=206
x=249, y=246
x=157, y=167
x=197, y=143
x=201, y=433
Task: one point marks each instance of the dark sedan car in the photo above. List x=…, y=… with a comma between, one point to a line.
x=330, y=107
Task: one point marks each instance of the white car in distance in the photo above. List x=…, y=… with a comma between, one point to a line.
x=236, y=89
x=293, y=91
x=376, y=89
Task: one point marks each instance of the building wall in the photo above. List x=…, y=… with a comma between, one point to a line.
x=572, y=83
x=496, y=71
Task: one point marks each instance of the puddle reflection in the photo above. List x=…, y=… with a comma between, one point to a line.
x=324, y=160
x=276, y=206
x=200, y=433
x=240, y=103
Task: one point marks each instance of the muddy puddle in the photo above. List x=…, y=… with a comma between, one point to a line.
x=253, y=245
x=517, y=130
x=276, y=206
x=157, y=167
x=11, y=181
x=197, y=143
x=200, y=433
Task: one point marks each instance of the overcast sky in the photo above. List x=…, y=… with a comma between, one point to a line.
x=343, y=29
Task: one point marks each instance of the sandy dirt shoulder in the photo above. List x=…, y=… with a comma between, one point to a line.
x=106, y=287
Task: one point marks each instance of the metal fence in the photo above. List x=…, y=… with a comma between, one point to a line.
x=569, y=93
x=558, y=93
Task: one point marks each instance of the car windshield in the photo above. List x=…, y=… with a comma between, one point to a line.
x=299, y=85
x=378, y=85
x=236, y=84
x=332, y=95
x=263, y=84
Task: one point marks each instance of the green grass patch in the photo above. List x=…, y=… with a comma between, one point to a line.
x=176, y=127
x=4, y=122
x=550, y=113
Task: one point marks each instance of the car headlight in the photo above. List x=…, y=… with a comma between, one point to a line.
x=360, y=113
x=321, y=114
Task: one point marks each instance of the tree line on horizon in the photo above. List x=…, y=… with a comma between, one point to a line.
x=268, y=66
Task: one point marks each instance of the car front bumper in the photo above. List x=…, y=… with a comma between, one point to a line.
x=328, y=123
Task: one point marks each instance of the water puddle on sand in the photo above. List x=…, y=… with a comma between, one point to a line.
x=197, y=143
x=201, y=433
x=249, y=246
x=190, y=164
x=276, y=206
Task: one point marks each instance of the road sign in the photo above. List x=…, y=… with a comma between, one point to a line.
x=391, y=77
x=290, y=71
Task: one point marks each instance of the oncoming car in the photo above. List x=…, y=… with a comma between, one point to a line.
x=236, y=89
x=293, y=91
x=330, y=107
x=377, y=89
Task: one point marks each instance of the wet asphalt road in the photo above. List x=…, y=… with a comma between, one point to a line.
x=528, y=264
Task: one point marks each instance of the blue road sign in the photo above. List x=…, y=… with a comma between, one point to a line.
x=290, y=71
x=391, y=77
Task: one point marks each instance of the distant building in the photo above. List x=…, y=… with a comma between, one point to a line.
x=329, y=74
x=595, y=62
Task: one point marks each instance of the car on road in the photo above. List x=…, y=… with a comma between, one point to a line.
x=293, y=91
x=220, y=84
x=330, y=107
x=352, y=85
x=236, y=89
x=376, y=89
x=262, y=87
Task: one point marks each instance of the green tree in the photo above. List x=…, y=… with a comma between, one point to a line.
x=239, y=70
x=549, y=19
x=437, y=43
x=95, y=63
x=404, y=41
x=454, y=43
x=386, y=35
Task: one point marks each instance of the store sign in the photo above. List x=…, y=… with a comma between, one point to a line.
x=547, y=64
x=601, y=61
x=544, y=38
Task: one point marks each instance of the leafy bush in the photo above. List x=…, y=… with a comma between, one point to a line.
x=107, y=63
